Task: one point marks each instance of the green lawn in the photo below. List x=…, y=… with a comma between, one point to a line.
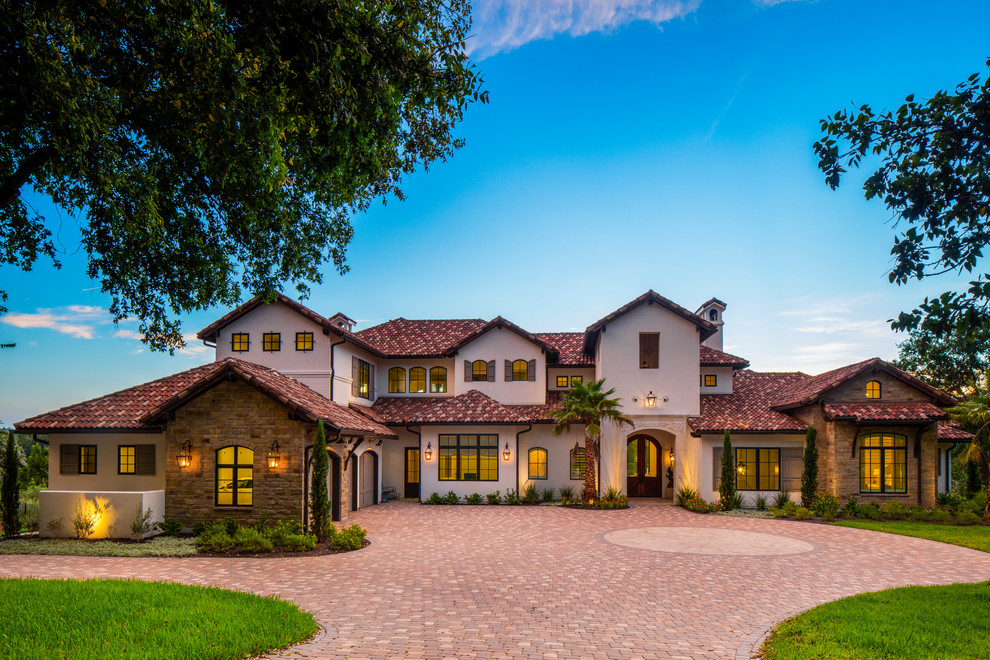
x=89, y=619
x=974, y=536
x=910, y=622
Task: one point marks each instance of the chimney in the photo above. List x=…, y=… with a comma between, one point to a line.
x=712, y=311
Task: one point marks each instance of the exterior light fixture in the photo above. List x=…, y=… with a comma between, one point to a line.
x=506, y=454
x=428, y=454
x=184, y=457
x=671, y=456
x=651, y=400
x=273, y=455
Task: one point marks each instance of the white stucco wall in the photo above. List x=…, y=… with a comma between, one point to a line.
x=106, y=477
x=117, y=510
x=669, y=431
x=558, y=458
x=723, y=380
x=310, y=367
x=706, y=464
x=430, y=470
x=342, y=365
x=385, y=366
x=586, y=373
x=500, y=345
x=677, y=376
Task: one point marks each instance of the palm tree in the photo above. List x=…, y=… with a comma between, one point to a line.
x=974, y=415
x=589, y=405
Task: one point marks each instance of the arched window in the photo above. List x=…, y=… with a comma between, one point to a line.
x=235, y=476
x=873, y=389
x=713, y=315
x=577, y=462
x=417, y=380
x=537, y=463
x=479, y=370
x=883, y=463
x=520, y=370
x=438, y=380
x=396, y=380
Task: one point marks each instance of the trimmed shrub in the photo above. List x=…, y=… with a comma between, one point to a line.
x=435, y=498
x=825, y=505
x=566, y=494
x=250, y=540
x=727, y=484
x=790, y=508
x=511, y=497
x=451, y=498
x=531, y=495
x=868, y=511
x=473, y=498
x=215, y=539
x=941, y=516
x=297, y=542
x=282, y=530
x=494, y=498
x=682, y=494
x=169, y=527
x=809, y=477
x=849, y=508
x=778, y=512
x=892, y=510
x=919, y=514
x=546, y=494
x=950, y=501
x=781, y=499
x=761, y=502
x=802, y=514
x=349, y=538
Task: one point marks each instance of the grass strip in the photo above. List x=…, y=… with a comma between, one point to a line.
x=92, y=619
x=974, y=536
x=944, y=622
x=162, y=546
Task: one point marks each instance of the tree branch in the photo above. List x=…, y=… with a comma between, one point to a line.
x=11, y=187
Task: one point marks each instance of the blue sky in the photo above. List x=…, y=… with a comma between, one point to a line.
x=628, y=145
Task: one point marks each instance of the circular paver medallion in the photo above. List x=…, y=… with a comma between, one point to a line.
x=706, y=541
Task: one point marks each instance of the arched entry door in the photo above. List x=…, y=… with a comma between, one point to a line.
x=643, y=467
x=368, y=480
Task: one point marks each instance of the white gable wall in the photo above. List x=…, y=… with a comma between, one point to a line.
x=500, y=345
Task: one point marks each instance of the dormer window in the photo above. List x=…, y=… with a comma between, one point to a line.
x=713, y=315
x=873, y=389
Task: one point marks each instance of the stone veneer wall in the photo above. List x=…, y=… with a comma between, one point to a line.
x=234, y=413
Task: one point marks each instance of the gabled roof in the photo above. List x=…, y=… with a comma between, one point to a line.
x=472, y=407
x=710, y=301
x=570, y=347
x=143, y=407
x=653, y=298
x=749, y=407
x=210, y=332
x=499, y=322
x=402, y=410
x=884, y=412
x=817, y=386
x=950, y=432
x=711, y=357
x=417, y=337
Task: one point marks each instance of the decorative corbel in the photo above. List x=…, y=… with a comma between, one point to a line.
x=351, y=447
x=855, y=439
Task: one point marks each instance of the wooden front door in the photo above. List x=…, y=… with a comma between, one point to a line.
x=643, y=467
x=368, y=480
x=412, y=473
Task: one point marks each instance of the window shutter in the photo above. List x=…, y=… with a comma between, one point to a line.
x=531, y=371
x=791, y=467
x=467, y=371
x=508, y=370
x=491, y=371
x=144, y=459
x=716, y=468
x=371, y=381
x=354, y=375
x=68, y=459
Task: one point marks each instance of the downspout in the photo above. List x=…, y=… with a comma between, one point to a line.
x=333, y=372
x=419, y=443
x=206, y=342
x=518, y=462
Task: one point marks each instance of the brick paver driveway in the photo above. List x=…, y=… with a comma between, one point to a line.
x=545, y=582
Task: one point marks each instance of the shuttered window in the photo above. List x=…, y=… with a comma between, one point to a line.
x=479, y=371
x=578, y=461
x=791, y=467
x=716, y=468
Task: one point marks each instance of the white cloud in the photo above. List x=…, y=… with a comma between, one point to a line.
x=78, y=321
x=503, y=25
x=770, y=3
x=194, y=347
x=855, y=315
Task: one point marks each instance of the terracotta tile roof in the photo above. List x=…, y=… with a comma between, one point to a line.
x=367, y=412
x=882, y=412
x=402, y=410
x=397, y=410
x=210, y=331
x=950, y=432
x=542, y=412
x=713, y=358
x=816, y=386
x=749, y=407
x=142, y=407
x=418, y=338
x=499, y=322
x=570, y=346
x=650, y=297
x=472, y=407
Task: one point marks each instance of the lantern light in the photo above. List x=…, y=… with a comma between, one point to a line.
x=506, y=454
x=273, y=455
x=428, y=454
x=184, y=456
x=651, y=400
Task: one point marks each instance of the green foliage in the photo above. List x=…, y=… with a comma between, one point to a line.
x=761, y=502
x=919, y=514
x=10, y=516
x=85, y=517
x=967, y=518
x=30, y=505
x=451, y=498
x=226, y=144
x=531, y=495
x=781, y=498
x=941, y=516
x=802, y=514
x=546, y=494
x=977, y=538
x=348, y=538
x=319, y=494
x=589, y=405
x=809, y=476
x=35, y=469
x=473, y=498
x=215, y=539
x=494, y=498
x=973, y=484
x=227, y=536
x=692, y=502
x=684, y=493
x=948, y=360
x=736, y=502
x=892, y=510
x=135, y=619
x=727, y=483
x=933, y=176
x=825, y=505
x=54, y=526
x=790, y=508
x=297, y=542
x=950, y=501
x=566, y=494
x=169, y=527
x=511, y=497
x=869, y=511
x=778, y=512
x=250, y=540
x=162, y=546
x=435, y=498
x=612, y=499
x=141, y=523
x=849, y=508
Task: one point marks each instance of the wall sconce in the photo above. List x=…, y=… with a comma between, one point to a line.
x=184, y=456
x=506, y=454
x=428, y=454
x=671, y=456
x=273, y=456
x=651, y=399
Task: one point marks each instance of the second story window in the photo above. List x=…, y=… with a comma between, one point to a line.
x=520, y=370
x=362, y=378
x=561, y=381
x=479, y=370
x=240, y=342
x=438, y=380
x=873, y=389
x=649, y=350
x=417, y=380
x=711, y=380
x=576, y=380
x=271, y=342
x=304, y=341
x=396, y=380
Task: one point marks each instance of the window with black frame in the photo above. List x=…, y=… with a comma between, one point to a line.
x=468, y=457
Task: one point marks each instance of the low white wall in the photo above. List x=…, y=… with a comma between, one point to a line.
x=118, y=510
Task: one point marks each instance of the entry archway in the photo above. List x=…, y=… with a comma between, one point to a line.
x=644, y=460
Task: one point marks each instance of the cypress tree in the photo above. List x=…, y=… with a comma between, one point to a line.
x=727, y=485
x=319, y=496
x=10, y=518
x=809, y=478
